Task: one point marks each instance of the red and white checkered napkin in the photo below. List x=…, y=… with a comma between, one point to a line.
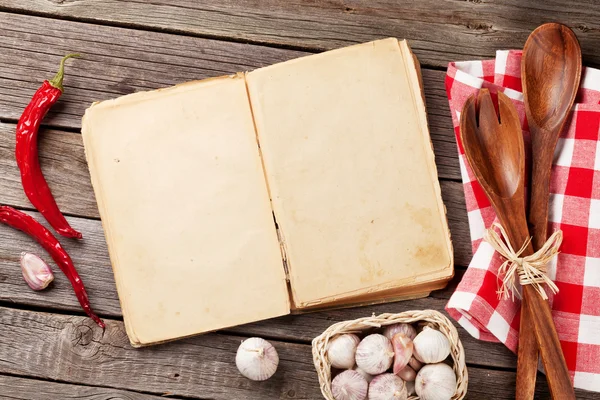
x=574, y=208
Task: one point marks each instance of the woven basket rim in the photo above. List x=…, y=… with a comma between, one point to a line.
x=431, y=317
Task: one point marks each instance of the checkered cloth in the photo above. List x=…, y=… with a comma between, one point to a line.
x=574, y=208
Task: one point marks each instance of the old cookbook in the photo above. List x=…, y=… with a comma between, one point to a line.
x=299, y=186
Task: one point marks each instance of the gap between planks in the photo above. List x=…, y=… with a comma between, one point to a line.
x=20, y=387
x=434, y=28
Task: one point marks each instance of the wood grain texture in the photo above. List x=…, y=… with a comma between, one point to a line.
x=199, y=367
x=72, y=349
x=439, y=31
x=32, y=47
x=15, y=388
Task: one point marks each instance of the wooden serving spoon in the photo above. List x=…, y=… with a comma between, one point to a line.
x=494, y=148
x=551, y=72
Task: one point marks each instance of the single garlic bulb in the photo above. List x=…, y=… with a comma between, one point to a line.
x=387, y=387
x=415, y=364
x=257, y=359
x=408, y=330
x=407, y=374
x=431, y=346
x=410, y=388
x=341, y=351
x=349, y=385
x=374, y=354
x=436, y=382
x=367, y=377
x=36, y=272
x=403, y=351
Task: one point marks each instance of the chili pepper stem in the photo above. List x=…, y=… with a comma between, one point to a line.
x=57, y=81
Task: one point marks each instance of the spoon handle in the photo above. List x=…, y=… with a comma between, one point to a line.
x=528, y=350
x=528, y=356
x=555, y=365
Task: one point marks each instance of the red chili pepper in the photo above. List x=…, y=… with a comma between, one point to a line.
x=44, y=237
x=35, y=185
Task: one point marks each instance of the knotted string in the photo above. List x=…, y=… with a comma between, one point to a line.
x=531, y=270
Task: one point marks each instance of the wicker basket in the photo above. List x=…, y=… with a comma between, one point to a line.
x=432, y=318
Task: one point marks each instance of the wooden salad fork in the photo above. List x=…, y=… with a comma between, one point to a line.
x=495, y=150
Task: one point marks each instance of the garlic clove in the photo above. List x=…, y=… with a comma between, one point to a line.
x=342, y=350
x=415, y=364
x=407, y=374
x=257, y=359
x=387, y=387
x=374, y=354
x=403, y=350
x=349, y=385
x=36, y=272
x=408, y=330
x=410, y=388
x=436, y=382
x=368, y=377
x=431, y=346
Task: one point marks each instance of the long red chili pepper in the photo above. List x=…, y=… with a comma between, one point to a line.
x=44, y=237
x=35, y=185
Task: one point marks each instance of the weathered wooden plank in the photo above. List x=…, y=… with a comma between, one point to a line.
x=31, y=48
x=16, y=388
x=438, y=31
x=73, y=349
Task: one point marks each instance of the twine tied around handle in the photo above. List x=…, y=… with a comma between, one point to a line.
x=531, y=270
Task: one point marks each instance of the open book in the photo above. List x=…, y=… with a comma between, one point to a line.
x=299, y=186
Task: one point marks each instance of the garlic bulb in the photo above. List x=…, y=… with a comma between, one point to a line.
x=431, y=346
x=367, y=377
x=403, y=351
x=349, y=385
x=341, y=351
x=257, y=359
x=387, y=387
x=408, y=330
x=374, y=354
x=410, y=388
x=415, y=364
x=407, y=374
x=436, y=382
x=36, y=272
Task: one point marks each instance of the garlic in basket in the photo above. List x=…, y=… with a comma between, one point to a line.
x=407, y=374
x=415, y=364
x=342, y=350
x=257, y=359
x=349, y=385
x=368, y=377
x=436, y=382
x=374, y=354
x=387, y=387
x=403, y=351
x=408, y=330
x=410, y=388
x=36, y=272
x=431, y=346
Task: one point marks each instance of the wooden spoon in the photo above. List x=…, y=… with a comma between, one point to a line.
x=550, y=71
x=496, y=153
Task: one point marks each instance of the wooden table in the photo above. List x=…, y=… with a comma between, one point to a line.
x=48, y=350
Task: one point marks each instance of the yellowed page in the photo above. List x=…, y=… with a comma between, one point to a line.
x=185, y=208
x=351, y=171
